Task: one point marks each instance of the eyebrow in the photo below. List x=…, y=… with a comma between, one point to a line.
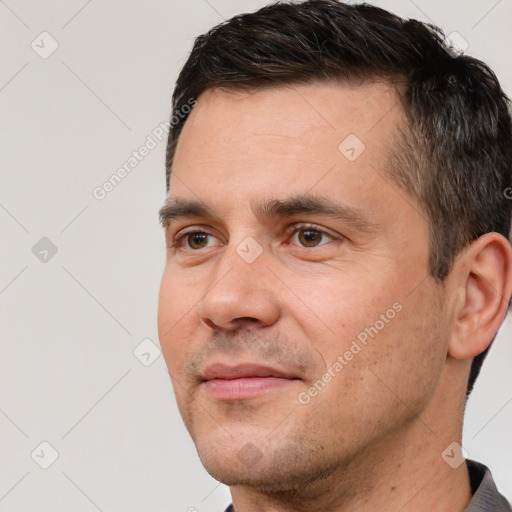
x=305, y=204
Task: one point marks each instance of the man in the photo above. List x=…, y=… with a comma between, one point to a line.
x=338, y=258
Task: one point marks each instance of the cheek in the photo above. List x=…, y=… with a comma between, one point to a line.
x=403, y=362
x=176, y=305
x=343, y=306
x=388, y=381
x=376, y=325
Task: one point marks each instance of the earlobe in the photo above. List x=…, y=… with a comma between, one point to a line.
x=482, y=287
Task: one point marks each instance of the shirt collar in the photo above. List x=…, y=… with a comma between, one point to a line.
x=486, y=497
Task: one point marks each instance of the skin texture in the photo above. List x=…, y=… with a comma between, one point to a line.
x=372, y=437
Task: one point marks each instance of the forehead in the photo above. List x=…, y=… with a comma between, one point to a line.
x=283, y=116
x=328, y=138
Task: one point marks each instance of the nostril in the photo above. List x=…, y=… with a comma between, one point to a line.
x=210, y=324
x=234, y=324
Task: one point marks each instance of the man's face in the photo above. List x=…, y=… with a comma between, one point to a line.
x=296, y=338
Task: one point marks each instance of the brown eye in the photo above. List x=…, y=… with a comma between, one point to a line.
x=193, y=240
x=196, y=240
x=309, y=236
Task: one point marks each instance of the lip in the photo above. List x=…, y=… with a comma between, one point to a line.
x=243, y=381
x=224, y=371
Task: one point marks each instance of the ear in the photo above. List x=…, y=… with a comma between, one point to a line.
x=482, y=284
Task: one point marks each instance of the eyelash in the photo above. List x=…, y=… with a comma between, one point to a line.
x=290, y=232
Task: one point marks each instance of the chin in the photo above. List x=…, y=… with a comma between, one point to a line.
x=289, y=467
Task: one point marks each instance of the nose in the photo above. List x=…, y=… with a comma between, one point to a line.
x=240, y=295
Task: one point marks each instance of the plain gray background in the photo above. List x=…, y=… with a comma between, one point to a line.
x=71, y=321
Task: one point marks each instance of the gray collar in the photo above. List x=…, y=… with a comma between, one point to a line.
x=486, y=497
